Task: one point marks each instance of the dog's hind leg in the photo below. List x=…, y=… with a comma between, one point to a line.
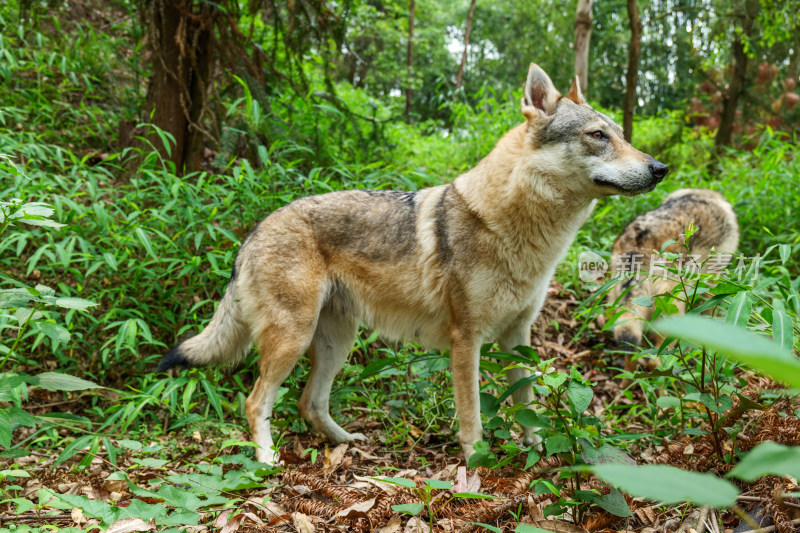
x=284, y=307
x=280, y=348
x=333, y=339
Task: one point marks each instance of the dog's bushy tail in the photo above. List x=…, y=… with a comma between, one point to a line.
x=226, y=339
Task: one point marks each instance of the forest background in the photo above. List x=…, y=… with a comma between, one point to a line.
x=142, y=140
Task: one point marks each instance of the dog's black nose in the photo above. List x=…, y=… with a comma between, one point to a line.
x=658, y=170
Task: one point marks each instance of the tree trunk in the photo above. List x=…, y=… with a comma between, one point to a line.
x=410, y=72
x=736, y=86
x=466, y=44
x=583, y=32
x=633, y=70
x=176, y=95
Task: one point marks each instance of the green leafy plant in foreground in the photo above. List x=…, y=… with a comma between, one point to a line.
x=566, y=429
x=672, y=485
x=25, y=309
x=430, y=501
x=758, y=292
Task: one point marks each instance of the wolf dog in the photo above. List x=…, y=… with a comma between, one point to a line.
x=451, y=266
x=634, y=255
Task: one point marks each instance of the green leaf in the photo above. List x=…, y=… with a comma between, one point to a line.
x=212, y=484
x=55, y=381
x=669, y=485
x=722, y=404
x=134, y=445
x=579, y=395
x=782, y=330
x=145, y=240
x=74, y=303
x=236, y=442
x=487, y=526
x=555, y=379
x=489, y=404
x=14, y=473
x=23, y=504
x=533, y=458
x=529, y=353
x=768, y=458
x=73, y=448
x=6, y=430
x=213, y=397
x=737, y=343
x=92, y=508
x=403, y=482
x=528, y=418
x=614, y=502
x=544, y=486
x=668, y=402
x=525, y=528
x=20, y=417
x=474, y=495
x=605, y=454
x=376, y=366
x=785, y=251
x=439, y=484
x=151, y=462
x=739, y=310
x=557, y=444
x=408, y=508
x=57, y=333
x=724, y=287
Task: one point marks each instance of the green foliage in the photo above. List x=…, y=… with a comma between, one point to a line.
x=675, y=485
x=768, y=458
x=754, y=350
x=669, y=485
x=26, y=307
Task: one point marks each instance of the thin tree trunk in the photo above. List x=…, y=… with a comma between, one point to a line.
x=410, y=72
x=737, y=84
x=583, y=33
x=466, y=44
x=177, y=90
x=633, y=70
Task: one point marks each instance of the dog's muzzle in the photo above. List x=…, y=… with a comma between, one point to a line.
x=658, y=170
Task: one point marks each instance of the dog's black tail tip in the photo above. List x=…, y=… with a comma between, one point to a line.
x=174, y=358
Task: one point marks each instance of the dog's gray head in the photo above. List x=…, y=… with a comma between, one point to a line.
x=580, y=148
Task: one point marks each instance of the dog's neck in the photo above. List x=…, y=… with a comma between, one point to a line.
x=502, y=184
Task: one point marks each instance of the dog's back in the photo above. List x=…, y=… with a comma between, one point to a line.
x=634, y=252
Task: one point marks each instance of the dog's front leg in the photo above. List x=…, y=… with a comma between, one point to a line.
x=519, y=334
x=464, y=360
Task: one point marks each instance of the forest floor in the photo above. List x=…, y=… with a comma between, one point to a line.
x=338, y=488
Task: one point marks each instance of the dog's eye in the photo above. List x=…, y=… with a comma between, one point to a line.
x=597, y=135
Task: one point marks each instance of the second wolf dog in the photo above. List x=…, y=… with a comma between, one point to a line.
x=634, y=252
x=451, y=266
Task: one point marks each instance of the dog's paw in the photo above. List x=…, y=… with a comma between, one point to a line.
x=356, y=436
x=532, y=439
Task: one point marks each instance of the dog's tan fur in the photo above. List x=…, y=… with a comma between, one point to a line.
x=634, y=251
x=451, y=266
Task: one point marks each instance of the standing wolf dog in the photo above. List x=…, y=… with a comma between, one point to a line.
x=449, y=266
x=633, y=254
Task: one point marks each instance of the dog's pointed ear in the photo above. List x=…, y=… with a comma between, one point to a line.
x=540, y=95
x=574, y=93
